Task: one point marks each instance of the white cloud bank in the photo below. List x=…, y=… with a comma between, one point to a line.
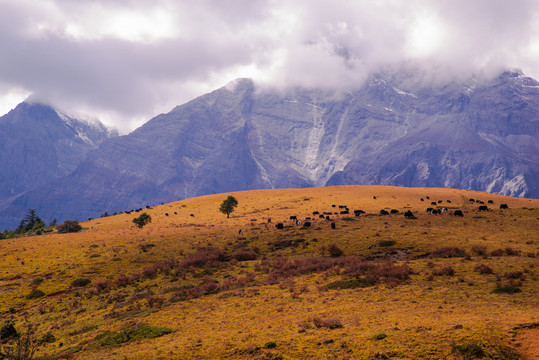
x=127, y=60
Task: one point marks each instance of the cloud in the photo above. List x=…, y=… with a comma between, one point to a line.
x=127, y=60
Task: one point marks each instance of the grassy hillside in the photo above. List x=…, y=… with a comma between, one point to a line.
x=196, y=285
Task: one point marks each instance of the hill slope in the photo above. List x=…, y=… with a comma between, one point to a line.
x=480, y=135
x=433, y=286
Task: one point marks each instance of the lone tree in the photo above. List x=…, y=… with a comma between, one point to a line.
x=228, y=205
x=142, y=220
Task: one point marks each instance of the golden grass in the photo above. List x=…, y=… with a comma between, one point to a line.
x=422, y=318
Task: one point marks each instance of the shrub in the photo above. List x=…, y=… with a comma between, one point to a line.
x=386, y=243
x=479, y=250
x=111, y=338
x=378, y=336
x=469, y=350
x=327, y=323
x=347, y=284
x=48, y=338
x=506, y=289
x=101, y=286
x=270, y=345
x=483, y=269
x=497, y=252
x=205, y=257
x=80, y=282
x=244, y=254
x=8, y=331
x=334, y=250
x=448, y=252
x=69, y=226
x=34, y=294
x=515, y=275
x=445, y=271
x=511, y=252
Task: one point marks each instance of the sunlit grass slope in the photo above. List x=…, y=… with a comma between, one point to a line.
x=195, y=285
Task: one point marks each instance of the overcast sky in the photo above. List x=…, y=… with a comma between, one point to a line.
x=126, y=61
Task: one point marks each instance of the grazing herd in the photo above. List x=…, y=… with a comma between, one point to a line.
x=344, y=210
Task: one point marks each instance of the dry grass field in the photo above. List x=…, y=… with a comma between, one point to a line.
x=195, y=284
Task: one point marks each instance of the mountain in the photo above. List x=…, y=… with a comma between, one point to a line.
x=476, y=134
x=39, y=144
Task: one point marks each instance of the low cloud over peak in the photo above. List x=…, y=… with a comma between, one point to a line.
x=126, y=60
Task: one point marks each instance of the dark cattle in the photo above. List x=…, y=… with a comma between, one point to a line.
x=175, y=213
x=394, y=211
x=383, y=212
x=448, y=201
x=335, y=213
x=439, y=201
x=307, y=218
x=306, y=224
x=341, y=206
x=472, y=200
x=147, y=206
x=409, y=215
x=321, y=216
x=193, y=215
x=458, y=213
x=480, y=202
x=374, y=197
x=428, y=210
x=427, y=197
x=504, y=206
x=436, y=211
x=315, y=213
x=128, y=212
x=166, y=214
x=483, y=208
x=328, y=218
x=344, y=212
x=137, y=210
x=240, y=232
x=293, y=217
x=421, y=199
x=490, y=202
x=333, y=205
x=269, y=220
x=333, y=225
x=279, y=226
x=433, y=203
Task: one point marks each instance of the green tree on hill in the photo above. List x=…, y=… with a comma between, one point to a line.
x=142, y=220
x=30, y=223
x=228, y=205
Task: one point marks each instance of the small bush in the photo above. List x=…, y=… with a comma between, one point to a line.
x=379, y=336
x=515, y=275
x=448, y=252
x=334, y=250
x=327, y=323
x=69, y=226
x=386, y=243
x=8, y=331
x=479, y=250
x=469, y=350
x=80, y=282
x=347, y=284
x=445, y=271
x=506, y=289
x=497, y=252
x=270, y=345
x=483, y=269
x=110, y=338
x=34, y=294
x=511, y=252
x=48, y=338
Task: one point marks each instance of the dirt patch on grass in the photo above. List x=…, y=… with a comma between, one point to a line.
x=529, y=344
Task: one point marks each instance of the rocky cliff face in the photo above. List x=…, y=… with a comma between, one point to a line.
x=480, y=135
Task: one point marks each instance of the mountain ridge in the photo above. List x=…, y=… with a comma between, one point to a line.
x=477, y=135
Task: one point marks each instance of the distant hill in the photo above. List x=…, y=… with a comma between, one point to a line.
x=394, y=130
